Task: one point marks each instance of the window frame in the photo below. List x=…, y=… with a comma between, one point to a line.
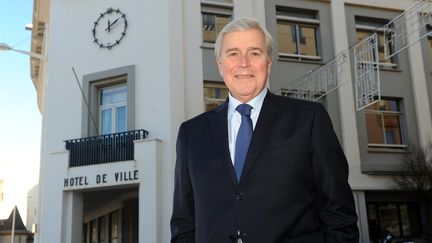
x=215, y=9
x=299, y=22
x=371, y=26
x=398, y=204
x=102, y=228
x=92, y=83
x=112, y=107
x=85, y=233
x=93, y=225
x=429, y=45
x=114, y=226
x=403, y=145
x=219, y=101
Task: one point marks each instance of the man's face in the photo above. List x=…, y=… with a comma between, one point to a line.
x=244, y=64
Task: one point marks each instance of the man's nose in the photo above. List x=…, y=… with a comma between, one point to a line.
x=244, y=61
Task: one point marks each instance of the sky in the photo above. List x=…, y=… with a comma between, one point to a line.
x=20, y=119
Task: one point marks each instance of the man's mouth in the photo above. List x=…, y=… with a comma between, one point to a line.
x=244, y=76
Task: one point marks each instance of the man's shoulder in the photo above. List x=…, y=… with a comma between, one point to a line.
x=292, y=103
x=205, y=117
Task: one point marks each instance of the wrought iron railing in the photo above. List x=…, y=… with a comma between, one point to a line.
x=320, y=82
x=103, y=149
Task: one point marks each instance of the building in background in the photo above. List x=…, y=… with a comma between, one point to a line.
x=32, y=196
x=13, y=229
x=118, y=78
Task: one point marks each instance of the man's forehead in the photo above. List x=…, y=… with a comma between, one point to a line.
x=244, y=39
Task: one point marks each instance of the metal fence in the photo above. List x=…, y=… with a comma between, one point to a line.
x=321, y=81
x=408, y=28
x=103, y=149
x=366, y=69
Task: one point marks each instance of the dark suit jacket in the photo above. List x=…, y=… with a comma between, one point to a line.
x=293, y=187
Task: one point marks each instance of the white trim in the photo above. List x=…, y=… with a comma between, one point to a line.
x=284, y=54
x=207, y=45
x=217, y=4
x=297, y=19
x=387, y=65
x=382, y=112
x=369, y=27
x=217, y=11
x=215, y=99
x=387, y=145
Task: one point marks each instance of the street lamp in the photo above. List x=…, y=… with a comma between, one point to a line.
x=6, y=47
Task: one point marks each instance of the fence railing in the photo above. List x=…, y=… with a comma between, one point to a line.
x=321, y=81
x=103, y=149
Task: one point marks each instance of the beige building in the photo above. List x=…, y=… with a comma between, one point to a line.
x=119, y=77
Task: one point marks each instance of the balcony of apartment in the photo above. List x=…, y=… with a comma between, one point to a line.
x=103, y=149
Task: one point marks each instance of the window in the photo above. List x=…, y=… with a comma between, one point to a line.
x=399, y=218
x=110, y=101
x=430, y=49
x=429, y=43
x=297, y=33
x=214, y=17
x=114, y=226
x=85, y=233
x=215, y=93
x=112, y=109
x=93, y=231
x=383, y=123
x=366, y=27
x=102, y=229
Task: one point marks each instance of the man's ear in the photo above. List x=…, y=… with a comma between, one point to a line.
x=269, y=65
x=219, y=64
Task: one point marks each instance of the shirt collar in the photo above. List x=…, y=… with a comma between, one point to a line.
x=256, y=102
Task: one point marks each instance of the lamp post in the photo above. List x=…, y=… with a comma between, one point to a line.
x=13, y=225
x=6, y=47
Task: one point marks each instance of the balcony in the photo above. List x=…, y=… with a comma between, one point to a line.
x=103, y=149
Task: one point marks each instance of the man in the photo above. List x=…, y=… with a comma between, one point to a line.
x=260, y=168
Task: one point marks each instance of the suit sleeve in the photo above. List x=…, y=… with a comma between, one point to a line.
x=183, y=217
x=330, y=168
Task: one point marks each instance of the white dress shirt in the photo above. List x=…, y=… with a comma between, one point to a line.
x=234, y=117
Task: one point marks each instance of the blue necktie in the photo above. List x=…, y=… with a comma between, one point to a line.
x=244, y=135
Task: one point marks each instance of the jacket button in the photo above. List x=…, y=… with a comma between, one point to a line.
x=239, y=196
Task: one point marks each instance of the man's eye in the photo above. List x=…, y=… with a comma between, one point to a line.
x=232, y=54
x=256, y=53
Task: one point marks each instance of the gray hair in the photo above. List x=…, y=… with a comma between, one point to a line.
x=244, y=24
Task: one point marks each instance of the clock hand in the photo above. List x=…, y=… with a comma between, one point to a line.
x=111, y=24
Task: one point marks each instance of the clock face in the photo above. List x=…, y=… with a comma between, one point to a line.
x=110, y=28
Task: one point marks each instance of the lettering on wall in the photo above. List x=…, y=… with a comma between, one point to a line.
x=99, y=179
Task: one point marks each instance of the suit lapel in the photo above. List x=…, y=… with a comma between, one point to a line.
x=219, y=126
x=269, y=115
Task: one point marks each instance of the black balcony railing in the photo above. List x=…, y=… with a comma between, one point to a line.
x=103, y=149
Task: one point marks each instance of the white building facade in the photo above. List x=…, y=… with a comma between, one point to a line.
x=119, y=77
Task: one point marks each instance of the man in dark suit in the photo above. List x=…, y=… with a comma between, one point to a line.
x=260, y=168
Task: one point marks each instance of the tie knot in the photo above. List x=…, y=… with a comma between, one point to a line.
x=244, y=109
